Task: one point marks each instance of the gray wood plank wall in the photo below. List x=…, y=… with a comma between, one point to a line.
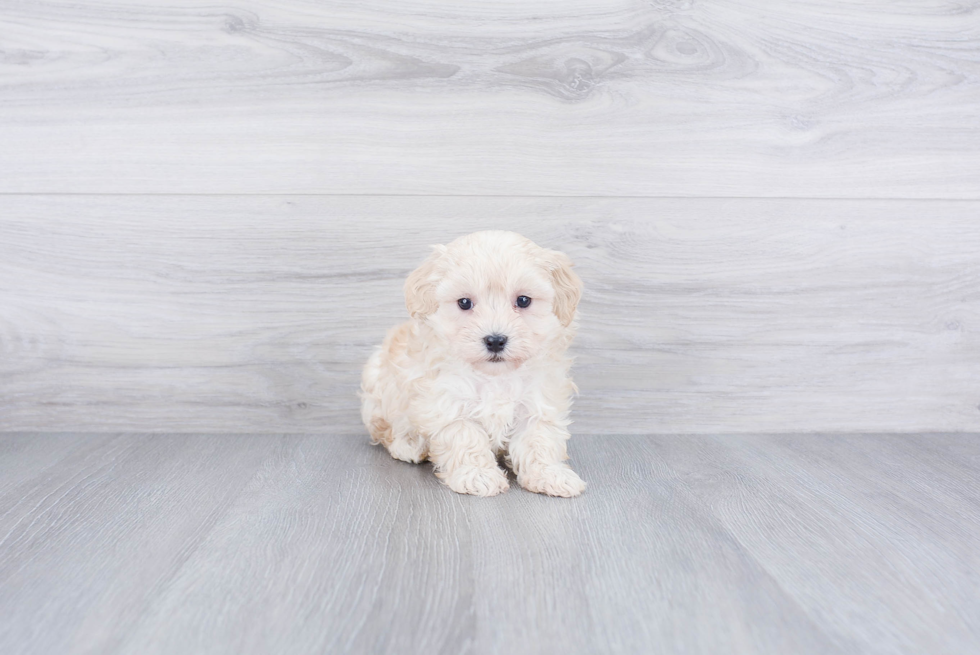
x=674, y=97
x=206, y=212
x=207, y=313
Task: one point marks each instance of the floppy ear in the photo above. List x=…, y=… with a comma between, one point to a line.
x=420, y=286
x=568, y=286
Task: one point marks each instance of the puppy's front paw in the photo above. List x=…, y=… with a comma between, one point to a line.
x=554, y=480
x=477, y=481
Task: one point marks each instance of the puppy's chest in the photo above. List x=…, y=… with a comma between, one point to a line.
x=497, y=406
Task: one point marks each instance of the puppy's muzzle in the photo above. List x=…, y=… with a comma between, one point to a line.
x=495, y=342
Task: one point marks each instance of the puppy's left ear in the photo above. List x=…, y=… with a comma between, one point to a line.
x=420, y=286
x=568, y=285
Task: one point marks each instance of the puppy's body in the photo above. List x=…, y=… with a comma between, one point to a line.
x=462, y=386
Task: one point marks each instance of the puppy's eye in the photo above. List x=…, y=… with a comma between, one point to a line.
x=523, y=301
x=465, y=303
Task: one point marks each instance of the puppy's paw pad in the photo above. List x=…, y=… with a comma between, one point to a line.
x=477, y=481
x=555, y=480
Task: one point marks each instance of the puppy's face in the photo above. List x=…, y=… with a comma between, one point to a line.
x=496, y=299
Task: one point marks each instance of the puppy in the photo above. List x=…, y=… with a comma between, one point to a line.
x=480, y=370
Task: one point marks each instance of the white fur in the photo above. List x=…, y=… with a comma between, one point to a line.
x=432, y=391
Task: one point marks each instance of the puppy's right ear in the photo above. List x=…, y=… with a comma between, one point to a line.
x=420, y=287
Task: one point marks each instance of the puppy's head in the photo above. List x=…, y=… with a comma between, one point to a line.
x=496, y=299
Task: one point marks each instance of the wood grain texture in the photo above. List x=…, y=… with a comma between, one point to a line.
x=809, y=98
x=251, y=314
x=317, y=543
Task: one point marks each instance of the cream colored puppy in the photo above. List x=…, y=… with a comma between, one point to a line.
x=481, y=368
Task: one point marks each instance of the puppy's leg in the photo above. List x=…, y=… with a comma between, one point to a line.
x=406, y=443
x=463, y=459
x=538, y=456
x=383, y=400
x=402, y=440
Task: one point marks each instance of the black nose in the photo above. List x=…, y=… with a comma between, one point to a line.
x=495, y=342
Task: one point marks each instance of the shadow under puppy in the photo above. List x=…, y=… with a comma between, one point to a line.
x=481, y=369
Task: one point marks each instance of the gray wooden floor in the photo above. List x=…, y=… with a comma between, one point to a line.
x=128, y=543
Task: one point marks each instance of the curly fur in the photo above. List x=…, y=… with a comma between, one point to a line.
x=434, y=391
